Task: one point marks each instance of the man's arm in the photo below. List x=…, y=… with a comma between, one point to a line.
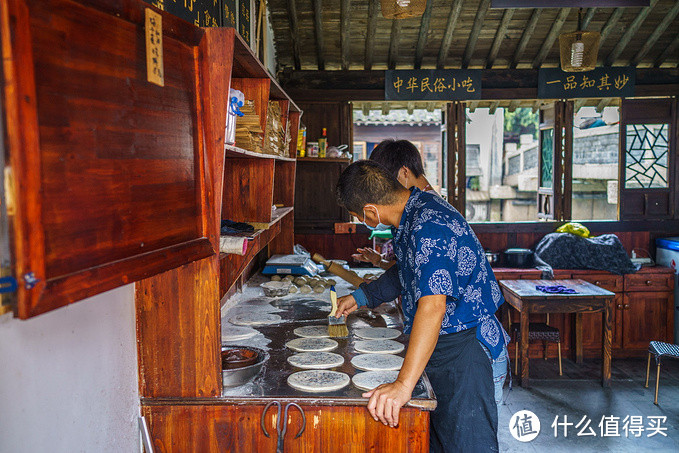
x=385, y=289
x=386, y=400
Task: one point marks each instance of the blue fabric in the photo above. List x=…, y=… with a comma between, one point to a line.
x=555, y=289
x=439, y=254
x=385, y=289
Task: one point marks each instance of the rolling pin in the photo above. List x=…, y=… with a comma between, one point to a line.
x=350, y=276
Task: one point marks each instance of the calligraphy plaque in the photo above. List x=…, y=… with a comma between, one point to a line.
x=432, y=85
x=154, y=47
x=609, y=82
x=229, y=13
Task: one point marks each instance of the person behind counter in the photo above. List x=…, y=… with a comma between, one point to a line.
x=402, y=159
x=449, y=296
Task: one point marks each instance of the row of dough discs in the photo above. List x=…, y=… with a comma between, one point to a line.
x=305, y=284
x=377, y=359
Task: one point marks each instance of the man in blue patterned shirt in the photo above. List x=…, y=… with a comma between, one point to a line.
x=450, y=296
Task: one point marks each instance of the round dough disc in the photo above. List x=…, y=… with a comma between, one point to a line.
x=377, y=362
x=254, y=319
x=371, y=379
x=311, y=344
x=379, y=346
x=377, y=333
x=231, y=333
x=318, y=380
x=312, y=332
x=316, y=360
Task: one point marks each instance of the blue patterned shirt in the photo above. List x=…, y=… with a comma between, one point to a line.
x=439, y=254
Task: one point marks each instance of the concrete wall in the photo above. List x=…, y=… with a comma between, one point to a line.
x=68, y=378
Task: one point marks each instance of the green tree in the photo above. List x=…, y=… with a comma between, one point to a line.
x=522, y=121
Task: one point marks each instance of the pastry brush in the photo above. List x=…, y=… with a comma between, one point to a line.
x=337, y=327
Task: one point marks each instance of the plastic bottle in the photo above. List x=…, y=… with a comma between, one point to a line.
x=323, y=143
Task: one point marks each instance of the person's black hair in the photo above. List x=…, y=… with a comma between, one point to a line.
x=366, y=182
x=394, y=154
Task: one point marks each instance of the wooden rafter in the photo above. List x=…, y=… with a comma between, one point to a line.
x=657, y=32
x=493, y=107
x=385, y=108
x=318, y=31
x=448, y=34
x=366, y=108
x=548, y=43
x=499, y=37
x=472, y=106
x=610, y=24
x=629, y=33
x=536, y=106
x=294, y=33
x=344, y=32
x=669, y=50
x=422, y=36
x=525, y=37
x=370, y=34
x=603, y=103
x=589, y=15
x=393, y=43
x=476, y=31
x=579, y=103
x=410, y=106
x=513, y=104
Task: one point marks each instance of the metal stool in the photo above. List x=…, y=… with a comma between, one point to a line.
x=659, y=349
x=538, y=331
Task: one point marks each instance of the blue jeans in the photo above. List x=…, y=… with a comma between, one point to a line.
x=499, y=366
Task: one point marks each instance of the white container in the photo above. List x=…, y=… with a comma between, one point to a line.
x=236, y=99
x=667, y=254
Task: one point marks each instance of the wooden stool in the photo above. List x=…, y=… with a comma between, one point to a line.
x=659, y=350
x=538, y=331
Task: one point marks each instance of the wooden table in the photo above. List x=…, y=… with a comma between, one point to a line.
x=589, y=298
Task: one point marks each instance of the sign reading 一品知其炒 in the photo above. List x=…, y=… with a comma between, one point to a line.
x=618, y=82
x=432, y=84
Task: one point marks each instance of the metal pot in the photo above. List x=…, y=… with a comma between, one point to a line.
x=516, y=257
x=239, y=376
x=492, y=257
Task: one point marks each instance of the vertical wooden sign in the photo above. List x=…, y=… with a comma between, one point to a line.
x=229, y=13
x=154, y=48
x=244, y=20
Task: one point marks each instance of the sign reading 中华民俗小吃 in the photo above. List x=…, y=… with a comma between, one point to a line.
x=618, y=82
x=432, y=84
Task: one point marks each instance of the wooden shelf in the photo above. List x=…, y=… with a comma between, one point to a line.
x=278, y=215
x=323, y=159
x=236, y=152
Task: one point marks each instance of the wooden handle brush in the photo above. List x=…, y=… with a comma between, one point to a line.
x=350, y=276
x=337, y=327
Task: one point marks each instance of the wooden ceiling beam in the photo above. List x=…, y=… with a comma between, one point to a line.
x=345, y=8
x=448, y=34
x=393, y=43
x=525, y=37
x=294, y=33
x=476, y=31
x=493, y=107
x=499, y=37
x=657, y=32
x=536, y=106
x=553, y=34
x=579, y=103
x=422, y=36
x=385, y=108
x=318, y=31
x=410, y=106
x=472, y=106
x=629, y=33
x=589, y=15
x=365, y=108
x=513, y=104
x=669, y=50
x=610, y=24
x=370, y=34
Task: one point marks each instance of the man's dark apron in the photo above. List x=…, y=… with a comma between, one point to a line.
x=465, y=419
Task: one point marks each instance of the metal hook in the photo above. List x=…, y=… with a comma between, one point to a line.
x=301, y=411
x=278, y=418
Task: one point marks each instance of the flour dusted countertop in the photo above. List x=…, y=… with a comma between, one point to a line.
x=301, y=311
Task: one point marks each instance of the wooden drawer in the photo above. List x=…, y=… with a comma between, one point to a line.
x=649, y=282
x=605, y=280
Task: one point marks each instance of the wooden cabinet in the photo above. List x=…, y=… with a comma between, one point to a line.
x=110, y=178
x=229, y=428
x=646, y=316
x=316, y=207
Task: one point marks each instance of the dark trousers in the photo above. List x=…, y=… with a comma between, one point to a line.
x=465, y=419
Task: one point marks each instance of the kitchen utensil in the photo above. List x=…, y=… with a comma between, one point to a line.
x=239, y=376
x=348, y=275
x=337, y=327
x=237, y=357
x=492, y=257
x=276, y=289
x=518, y=257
